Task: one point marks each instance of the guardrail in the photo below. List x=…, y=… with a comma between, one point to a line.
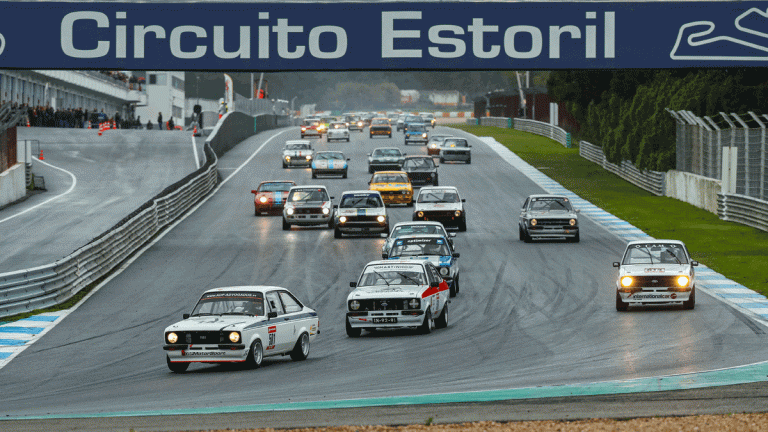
x=45, y=286
x=652, y=181
x=544, y=129
x=744, y=210
x=502, y=122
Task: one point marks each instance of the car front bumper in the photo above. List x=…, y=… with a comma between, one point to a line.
x=178, y=353
x=307, y=219
x=403, y=319
x=552, y=233
x=655, y=296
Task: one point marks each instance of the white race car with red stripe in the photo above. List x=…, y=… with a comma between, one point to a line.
x=397, y=294
x=241, y=324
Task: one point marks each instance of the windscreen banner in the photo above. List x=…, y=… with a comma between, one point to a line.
x=382, y=36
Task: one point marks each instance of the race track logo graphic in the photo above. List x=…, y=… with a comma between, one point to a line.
x=2, y=43
x=740, y=42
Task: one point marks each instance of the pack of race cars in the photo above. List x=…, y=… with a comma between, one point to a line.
x=411, y=286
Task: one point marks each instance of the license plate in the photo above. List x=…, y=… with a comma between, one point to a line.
x=385, y=320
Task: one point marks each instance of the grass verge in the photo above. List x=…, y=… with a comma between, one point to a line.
x=733, y=250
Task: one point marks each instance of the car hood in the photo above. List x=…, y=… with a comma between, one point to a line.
x=361, y=211
x=382, y=186
x=215, y=323
x=307, y=204
x=654, y=269
x=437, y=206
x=330, y=163
x=395, y=291
x=437, y=260
x=554, y=214
x=293, y=153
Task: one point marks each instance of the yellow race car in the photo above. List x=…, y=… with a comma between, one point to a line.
x=394, y=187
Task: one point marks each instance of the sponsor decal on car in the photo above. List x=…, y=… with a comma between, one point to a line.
x=272, y=332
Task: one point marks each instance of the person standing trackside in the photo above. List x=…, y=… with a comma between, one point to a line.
x=171, y=125
x=160, y=121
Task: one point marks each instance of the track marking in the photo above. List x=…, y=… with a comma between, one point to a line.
x=71, y=188
x=194, y=150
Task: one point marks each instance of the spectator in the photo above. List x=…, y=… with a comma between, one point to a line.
x=149, y=125
x=160, y=121
x=170, y=123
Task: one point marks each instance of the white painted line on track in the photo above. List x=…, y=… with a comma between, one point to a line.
x=14, y=351
x=194, y=150
x=71, y=188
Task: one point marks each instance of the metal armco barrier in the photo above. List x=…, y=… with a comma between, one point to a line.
x=52, y=284
x=652, y=181
x=544, y=129
x=744, y=210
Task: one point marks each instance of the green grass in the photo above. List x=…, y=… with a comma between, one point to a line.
x=736, y=251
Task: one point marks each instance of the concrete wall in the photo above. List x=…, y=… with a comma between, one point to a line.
x=13, y=185
x=694, y=189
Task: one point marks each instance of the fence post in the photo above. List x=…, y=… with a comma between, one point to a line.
x=567, y=140
x=509, y=123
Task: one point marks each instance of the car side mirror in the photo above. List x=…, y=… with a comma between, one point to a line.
x=333, y=197
x=349, y=159
x=185, y=316
x=369, y=154
x=384, y=256
x=253, y=191
x=578, y=211
x=456, y=255
x=353, y=284
x=616, y=264
x=694, y=263
x=272, y=315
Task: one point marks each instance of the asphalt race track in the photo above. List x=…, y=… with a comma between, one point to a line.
x=528, y=315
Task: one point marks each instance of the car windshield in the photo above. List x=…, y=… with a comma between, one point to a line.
x=413, y=119
x=655, y=253
x=387, y=152
x=550, y=204
x=329, y=156
x=418, y=127
x=361, y=201
x=327, y=120
x=352, y=119
x=419, y=163
x=438, y=196
x=437, y=138
x=297, y=147
x=305, y=195
x=419, y=247
x=455, y=143
x=338, y=125
x=230, y=303
x=404, y=230
x=380, y=121
x=310, y=123
x=275, y=187
x=388, y=275
x=389, y=178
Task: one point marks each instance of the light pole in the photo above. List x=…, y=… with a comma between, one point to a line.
x=197, y=89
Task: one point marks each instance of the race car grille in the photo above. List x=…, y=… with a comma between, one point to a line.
x=420, y=176
x=201, y=337
x=553, y=223
x=442, y=214
x=362, y=219
x=454, y=152
x=381, y=128
x=307, y=210
x=655, y=281
x=383, y=304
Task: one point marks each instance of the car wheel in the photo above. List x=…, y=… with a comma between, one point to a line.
x=527, y=237
x=314, y=174
x=286, y=225
x=284, y=165
x=390, y=135
x=370, y=170
x=256, y=212
x=691, y=302
x=442, y=320
x=469, y=161
x=255, y=355
x=575, y=239
x=370, y=135
x=442, y=160
x=347, y=139
x=428, y=324
x=353, y=332
x=301, y=350
x=176, y=367
x=336, y=233
x=344, y=175
x=410, y=203
x=621, y=306
x=458, y=286
x=452, y=289
x=463, y=225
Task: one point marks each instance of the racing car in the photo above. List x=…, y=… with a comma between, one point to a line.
x=360, y=212
x=421, y=170
x=307, y=205
x=442, y=204
x=241, y=324
x=434, y=248
x=416, y=132
x=380, y=126
x=337, y=131
x=297, y=153
x=655, y=272
x=455, y=149
x=397, y=294
x=548, y=217
x=434, y=143
x=412, y=228
x=270, y=196
x=309, y=128
x=330, y=163
x=394, y=186
x=385, y=158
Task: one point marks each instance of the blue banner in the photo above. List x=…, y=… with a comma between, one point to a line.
x=380, y=36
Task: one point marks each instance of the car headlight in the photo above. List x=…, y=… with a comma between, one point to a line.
x=420, y=214
x=404, y=192
x=457, y=213
x=682, y=281
x=626, y=281
x=288, y=158
x=342, y=219
x=289, y=211
x=309, y=157
x=263, y=199
x=414, y=303
x=423, y=135
x=360, y=124
x=234, y=337
x=326, y=210
x=381, y=219
x=572, y=222
x=533, y=222
x=433, y=175
x=444, y=271
x=172, y=337
x=434, y=146
x=354, y=305
x=303, y=129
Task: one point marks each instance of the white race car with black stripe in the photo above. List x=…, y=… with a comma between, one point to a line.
x=241, y=324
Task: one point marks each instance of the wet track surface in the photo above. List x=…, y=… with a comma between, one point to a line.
x=527, y=315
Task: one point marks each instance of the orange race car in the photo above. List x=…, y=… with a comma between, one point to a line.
x=270, y=196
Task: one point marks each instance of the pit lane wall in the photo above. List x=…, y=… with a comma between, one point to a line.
x=13, y=184
x=235, y=127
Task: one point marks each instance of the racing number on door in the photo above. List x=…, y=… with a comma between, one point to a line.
x=272, y=331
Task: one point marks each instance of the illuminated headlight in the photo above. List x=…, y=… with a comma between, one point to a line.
x=423, y=135
x=263, y=199
x=444, y=271
x=342, y=219
x=381, y=219
x=354, y=305
x=326, y=210
x=288, y=158
x=457, y=213
x=289, y=211
x=234, y=337
x=626, y=281
x=303, y=129
x=414, y=303
x=309, y=157
x=420, y=214
x=682, y=281
x=572, y=222
x=360, y=124
x=172, y=337
x=533, y=222
x=434, y=146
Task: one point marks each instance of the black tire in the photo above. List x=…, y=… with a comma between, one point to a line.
x=256, y=212
x=410, y=203
x=575, y=239
x=620, y=305
x=331, y=225
x=469, y=161
x=521, y=233
x=344, y=175
x=458, y=286
x=442, y=320
x=336, y=233
x=442, y=160
x=176, y=367
x=347, y=139
x=691, y=302
x=314, y=174
x=390, y=135
x=527, y=237
x=463, y=225
x=353, y=332
x=301, y=349
x=286, y=225
x=370, y=170
x=302, y=136
x=284, y=165
x=428, y=324
x=370, y=135
x=255, y=355
x=452, y=290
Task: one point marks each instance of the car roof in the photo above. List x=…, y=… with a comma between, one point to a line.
x=310, y=187
x=420, y=157
x=387, y=148
x=451, y=188
x=249, y=288
x=391, y=262
x=678, y=242
x=277, y=181
x=361, y=191
x=409, y=236
x=417, y=124
x=330, y=151
x=406, y=223
x=297, y=142
x=547, y=196
x=391, y=172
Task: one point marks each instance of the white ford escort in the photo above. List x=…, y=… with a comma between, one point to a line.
x=397, y=294
x=655, y=271
x=241, y=324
